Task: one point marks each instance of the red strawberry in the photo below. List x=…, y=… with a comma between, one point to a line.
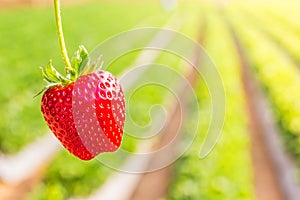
x=85, y=113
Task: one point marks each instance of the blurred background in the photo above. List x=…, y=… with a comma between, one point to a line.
x=255, y=46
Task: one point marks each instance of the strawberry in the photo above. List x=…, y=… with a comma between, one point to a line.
x=87, y=112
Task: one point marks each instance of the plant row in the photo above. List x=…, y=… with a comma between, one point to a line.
x=226, y=172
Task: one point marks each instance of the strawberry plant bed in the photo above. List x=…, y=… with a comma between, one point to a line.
x=212, y=177
x=266, y=179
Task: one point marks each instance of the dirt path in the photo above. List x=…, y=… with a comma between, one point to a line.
x=154, y=185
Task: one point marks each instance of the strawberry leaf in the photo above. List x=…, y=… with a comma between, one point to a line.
x=77, y=61
x=55, y=76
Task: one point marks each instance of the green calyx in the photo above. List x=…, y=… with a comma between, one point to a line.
x=52, y=77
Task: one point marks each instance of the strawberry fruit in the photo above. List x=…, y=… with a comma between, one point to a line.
x=87, y=112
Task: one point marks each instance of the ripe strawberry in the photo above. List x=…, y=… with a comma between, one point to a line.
x=85, y=113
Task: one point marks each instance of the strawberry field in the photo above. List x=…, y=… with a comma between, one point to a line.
x=211, y=89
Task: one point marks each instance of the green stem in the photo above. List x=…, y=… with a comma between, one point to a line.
x=61, y=39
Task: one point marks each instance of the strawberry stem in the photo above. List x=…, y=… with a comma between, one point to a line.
x=68, y=67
